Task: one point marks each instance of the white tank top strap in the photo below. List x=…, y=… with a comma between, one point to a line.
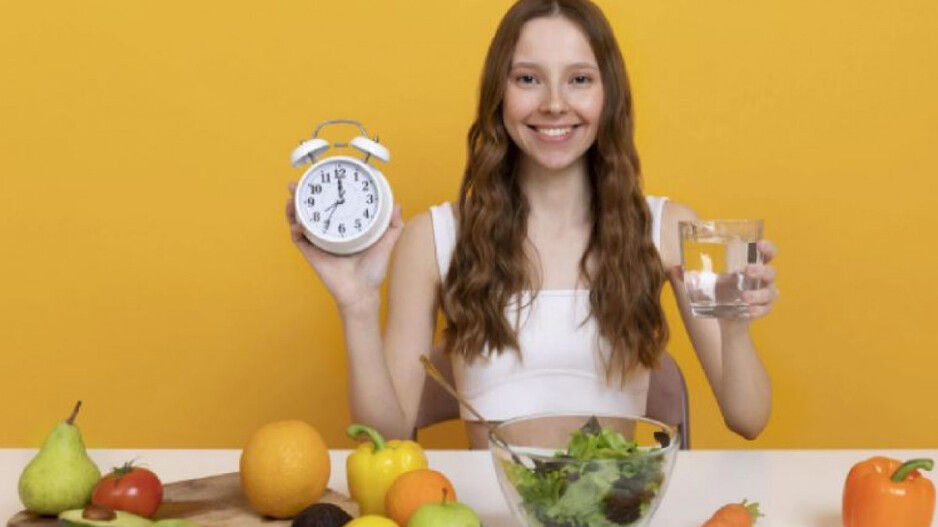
x=444, y=235
x=656, y=206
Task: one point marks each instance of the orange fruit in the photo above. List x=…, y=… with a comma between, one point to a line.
x=284, y=468
x=413, y=489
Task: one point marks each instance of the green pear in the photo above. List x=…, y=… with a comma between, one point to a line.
x=61, y=476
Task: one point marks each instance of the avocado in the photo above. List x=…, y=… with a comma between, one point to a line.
x=74, y=518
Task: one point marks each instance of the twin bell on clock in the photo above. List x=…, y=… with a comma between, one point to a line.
x=343, y=203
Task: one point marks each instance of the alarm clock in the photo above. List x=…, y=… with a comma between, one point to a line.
x=342, y=202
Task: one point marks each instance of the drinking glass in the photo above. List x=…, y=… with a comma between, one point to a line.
x=714, y=256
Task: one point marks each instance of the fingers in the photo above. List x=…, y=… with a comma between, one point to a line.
x=768, y=250
x=397, y=220
x=765, y=273
x=758, y=311
x=760, y=296
x=290, y=211
x=762, y=300
x=296, y=233
x=389, y=238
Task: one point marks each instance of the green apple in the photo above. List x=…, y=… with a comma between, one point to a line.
x=444, y=514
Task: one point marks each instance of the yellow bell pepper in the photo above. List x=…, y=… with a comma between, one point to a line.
x=371, y=520
x=373, y=467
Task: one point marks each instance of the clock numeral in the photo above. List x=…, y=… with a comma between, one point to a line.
x=365, y=185
x=326, y=225
x=371, y=199
x=326, y=177
x=358, y=223
x=342, y=229
x=356, y=175
x=340, y=172
x=366, y=214
x=316, y=217
x=316, y=189
x=311, y=201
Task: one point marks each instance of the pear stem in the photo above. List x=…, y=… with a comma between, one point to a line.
x=71, y=418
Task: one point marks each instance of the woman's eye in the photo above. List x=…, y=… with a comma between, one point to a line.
x=525, y=78
x=582, y=79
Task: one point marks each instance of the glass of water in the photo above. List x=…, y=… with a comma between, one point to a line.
x=714, y=256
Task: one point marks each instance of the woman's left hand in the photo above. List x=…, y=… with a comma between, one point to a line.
x=761, y=300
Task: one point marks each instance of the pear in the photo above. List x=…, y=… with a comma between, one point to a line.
x=61, y=476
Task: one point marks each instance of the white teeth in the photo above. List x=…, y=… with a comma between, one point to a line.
x=555, y=132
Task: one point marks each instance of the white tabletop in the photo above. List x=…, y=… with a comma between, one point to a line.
x=794, y=487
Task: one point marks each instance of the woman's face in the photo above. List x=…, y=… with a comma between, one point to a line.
x=554, y=95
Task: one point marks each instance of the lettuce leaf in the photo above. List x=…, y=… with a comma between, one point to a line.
x=612, y=487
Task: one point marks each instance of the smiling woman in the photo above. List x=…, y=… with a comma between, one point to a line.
x=554, y=95
x=550, y=267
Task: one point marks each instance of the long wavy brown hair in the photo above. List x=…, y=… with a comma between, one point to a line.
x=490, y=268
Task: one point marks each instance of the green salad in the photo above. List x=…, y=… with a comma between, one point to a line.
x=612, y=486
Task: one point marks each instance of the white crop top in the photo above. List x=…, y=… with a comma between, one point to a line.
x=563, y=367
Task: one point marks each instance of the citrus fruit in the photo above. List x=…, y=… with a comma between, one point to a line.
x=412, y=489
x=284, y=468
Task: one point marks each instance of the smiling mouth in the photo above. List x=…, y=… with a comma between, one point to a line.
x=553, y=132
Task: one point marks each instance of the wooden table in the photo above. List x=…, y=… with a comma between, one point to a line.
x=797, y=488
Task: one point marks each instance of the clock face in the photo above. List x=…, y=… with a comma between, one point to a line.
x=338, y=199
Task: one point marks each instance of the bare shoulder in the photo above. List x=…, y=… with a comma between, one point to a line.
x=415, y=251
x=674, y=213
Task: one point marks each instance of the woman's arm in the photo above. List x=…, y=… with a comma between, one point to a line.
x=385, y=378
x=724, y=346
x=413, y=302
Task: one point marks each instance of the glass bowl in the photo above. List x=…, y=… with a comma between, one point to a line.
x=572, y=470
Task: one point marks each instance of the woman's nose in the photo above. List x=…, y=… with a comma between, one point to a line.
x=554, y=102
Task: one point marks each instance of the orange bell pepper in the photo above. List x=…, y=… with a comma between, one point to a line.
x=883, y=492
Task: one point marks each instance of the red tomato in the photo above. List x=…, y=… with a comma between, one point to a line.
x=131, y=489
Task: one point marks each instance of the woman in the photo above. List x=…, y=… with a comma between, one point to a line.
x=550, y=268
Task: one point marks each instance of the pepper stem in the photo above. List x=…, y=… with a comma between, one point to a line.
x=356, y=430
x=913, y=464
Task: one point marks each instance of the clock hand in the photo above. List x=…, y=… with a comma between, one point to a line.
x=334, y=207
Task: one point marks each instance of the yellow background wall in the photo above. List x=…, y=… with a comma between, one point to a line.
x=146, y=267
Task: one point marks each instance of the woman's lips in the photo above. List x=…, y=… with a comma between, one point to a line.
x=553, y=134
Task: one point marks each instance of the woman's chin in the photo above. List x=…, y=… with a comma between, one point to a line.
x=555, y=163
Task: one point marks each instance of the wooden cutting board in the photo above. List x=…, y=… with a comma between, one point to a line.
x=215, y=501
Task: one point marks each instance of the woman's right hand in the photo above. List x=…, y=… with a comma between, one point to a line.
x=352, y=278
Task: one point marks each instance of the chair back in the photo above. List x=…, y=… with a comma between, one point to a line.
x=667, y=397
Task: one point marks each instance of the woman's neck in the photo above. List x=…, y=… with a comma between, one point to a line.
x=559, y=199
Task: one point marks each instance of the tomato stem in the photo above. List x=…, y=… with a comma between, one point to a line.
x=124, y=469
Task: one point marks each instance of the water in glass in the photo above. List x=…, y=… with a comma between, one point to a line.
x=714, y=256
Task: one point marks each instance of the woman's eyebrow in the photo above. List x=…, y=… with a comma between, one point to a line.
x=575, y=65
